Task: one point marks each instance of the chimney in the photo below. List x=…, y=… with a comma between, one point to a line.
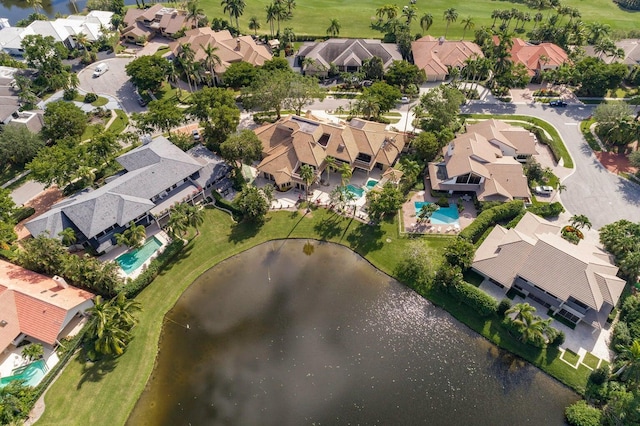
x=441, y=40
x=60, y=281
x=450, y=149
x=238, y=44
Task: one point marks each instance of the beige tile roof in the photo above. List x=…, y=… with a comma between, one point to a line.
x=517, y=138
x=230, y=49
x=295, y=140
x=434, y=55
x=535, y=251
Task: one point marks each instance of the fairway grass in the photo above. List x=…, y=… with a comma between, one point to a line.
x=312, y=18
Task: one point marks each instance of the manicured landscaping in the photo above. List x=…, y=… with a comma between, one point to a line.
x=113, y=386
x=556, y=144
x=590, y=360
x=591, y=140
x=120, y=122
x=8, y=172
x=355, y=17
x=571, y=357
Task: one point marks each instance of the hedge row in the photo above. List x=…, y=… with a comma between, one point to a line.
x=547, y=210
x=542, y=137
x=22, y=213
x=475, y=298
x=133, y=287
x=490, y=217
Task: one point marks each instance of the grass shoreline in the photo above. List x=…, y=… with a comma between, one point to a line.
x=85, y=391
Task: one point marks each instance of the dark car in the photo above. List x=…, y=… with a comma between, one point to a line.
x=141, y=101
x=558, y=103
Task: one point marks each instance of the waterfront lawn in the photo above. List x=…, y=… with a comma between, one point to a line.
x=104, y=393
x=313, y=18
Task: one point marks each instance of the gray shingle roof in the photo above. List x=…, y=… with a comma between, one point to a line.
x=151, y=168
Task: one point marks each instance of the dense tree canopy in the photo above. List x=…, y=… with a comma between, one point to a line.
x=253, y=203
x=18, y=145
x=243, y=147
x=217, y=111
x=148, y=72
x=442, y=106
x=385, y=202
x=239, y=74
x=163, y=114
x=402, y=73
x=45, y=55
x=63, y=120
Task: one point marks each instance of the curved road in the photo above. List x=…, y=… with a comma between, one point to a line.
x=591, y=190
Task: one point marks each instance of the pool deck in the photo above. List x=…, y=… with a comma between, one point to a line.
x=410, y=223
x=152, y=231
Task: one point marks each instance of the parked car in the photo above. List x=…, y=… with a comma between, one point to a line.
x=196, y=135
x=405, y=100
x=558, y=103
x=543, y=190
x=100, y=69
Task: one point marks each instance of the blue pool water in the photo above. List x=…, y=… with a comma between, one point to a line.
x=358, y=192
x=371, y=183
x=32, y=374
x=132, y=260
x=442, y=216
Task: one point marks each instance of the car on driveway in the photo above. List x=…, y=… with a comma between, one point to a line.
x=405, y=100
x=543, y=190
x=558, y=103
x=196, y=135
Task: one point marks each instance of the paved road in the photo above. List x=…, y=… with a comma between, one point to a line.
x=26, y=192
x=591, y=189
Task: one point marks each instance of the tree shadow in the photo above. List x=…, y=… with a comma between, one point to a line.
x=245, y=230
x=365, y=238
x=330, y=227
x=510, y=370
x=94, y=371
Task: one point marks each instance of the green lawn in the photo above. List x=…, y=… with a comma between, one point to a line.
x=556, y=141
x=591, y=360
x=120, y=123
x=313, y=17
x=591, y=140
x=114, y=386
x=571, y=357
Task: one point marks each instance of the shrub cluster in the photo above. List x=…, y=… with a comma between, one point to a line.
x=69, y=94
x=475, y=298
x=547, y=210
x=90, y=97
x=133, y=287
x=22, y=213
x=582, y=414
x=490, y=217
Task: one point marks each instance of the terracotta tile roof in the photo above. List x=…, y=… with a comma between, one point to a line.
x=434, y=55
x=530, y=55
x=9, y=317
x=41, y=303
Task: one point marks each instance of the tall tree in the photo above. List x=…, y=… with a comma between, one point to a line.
x=243, y=147
x=450, y=15
x=254, y=204
x=148, y=72
x=63, y=120
x=468, y=24
x=18, y=145
x=308, y=175
x=346, y=172
x=254, y=25
x=303, y=90
x=334, y=28
x=194, y=12
x=216, y=110
x=163, y=114
x=211, y=60
x=426, y=21
x=132, y=237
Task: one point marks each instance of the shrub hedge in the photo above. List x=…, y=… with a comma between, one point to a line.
x=133, y=287
x=475, y=298
x=490, y=217
x=22, y=213
x=547, y=210
x=582, y=414
x=90, y=97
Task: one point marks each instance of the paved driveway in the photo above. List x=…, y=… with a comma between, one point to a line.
x=591, y=189
x=114, y=82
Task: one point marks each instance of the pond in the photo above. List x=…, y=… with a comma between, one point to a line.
x=295, y=332
x=16, y=10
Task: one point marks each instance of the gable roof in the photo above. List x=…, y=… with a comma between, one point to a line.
x=434, y=56
x=535, y=251
x=34, y=304
x=151, y=168
x=229, y=49
x=350, y=52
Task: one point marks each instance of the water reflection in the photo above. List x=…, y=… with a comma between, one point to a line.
x=328, y=339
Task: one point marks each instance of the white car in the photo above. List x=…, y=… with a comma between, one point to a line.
x=543, y=190
x=405, y=100
x=100, y=69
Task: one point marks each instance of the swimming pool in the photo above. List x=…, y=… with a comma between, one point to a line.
x=131, y=261
x=32, y=374
x=358, y=192
x=370, y=184
x=442, y=216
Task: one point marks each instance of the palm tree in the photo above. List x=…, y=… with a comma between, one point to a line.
x=468, y=24
x=631, y=367
x=426, y=22
x=186, y=61
x=123, y=310
x=178, y=222
x=579, y=221
x=35, y=4
x=290, y=4
x=211, y=60
x=331, y=164
x=254, y=25
x=236, y=10
x=532, y=328
x=272, y=15
x=334, y=28
x=133, y=237
x=308, y=175
x=195, y=217
x=450, y=15
x=521, y=310
x=194, y=12
x=345, y=173
x=427, y=210
x=409, y=13
x=68, y=236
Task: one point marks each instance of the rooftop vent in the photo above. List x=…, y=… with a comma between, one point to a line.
x=3, y=323
x=60, y=281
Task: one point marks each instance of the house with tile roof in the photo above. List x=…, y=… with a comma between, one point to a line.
x=436, y=55
x=157, y=176
x=346, y=54
x=630, y=47
x=294, y=141
x=144, y=24
x=230, y=49
x=576, y=282
x=486, y=160
x=35, y=307
x=536, y=57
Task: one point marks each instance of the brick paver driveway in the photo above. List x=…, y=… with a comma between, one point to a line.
x=114, y=82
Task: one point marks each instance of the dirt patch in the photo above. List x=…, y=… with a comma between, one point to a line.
x=615, y=163
x=41, y=203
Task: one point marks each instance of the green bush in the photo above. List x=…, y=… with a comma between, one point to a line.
x=621, y=335
x=558, y=339
x=69, y=94
x=22, y=213
x=133, y=287
x=443, y=202
x=582, y=414
x=504, y=306
x=475, y=298
x=599, y=375
x=491, y=217
x=547, y=210
x=90, y=97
